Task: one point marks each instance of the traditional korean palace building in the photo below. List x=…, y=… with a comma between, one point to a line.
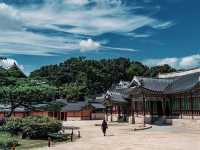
x=173, y=95
x=93, y=110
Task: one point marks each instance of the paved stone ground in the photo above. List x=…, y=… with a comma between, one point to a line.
x=122, y=137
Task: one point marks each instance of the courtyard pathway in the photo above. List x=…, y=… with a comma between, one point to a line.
x=122, y=137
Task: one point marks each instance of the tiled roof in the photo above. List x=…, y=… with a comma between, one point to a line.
x=78, y=106
x=183, y=83
x=98, y=106
x=6, y=108
x=153, y=84
x=117, y=97
x=166, y=85
x=64, y=101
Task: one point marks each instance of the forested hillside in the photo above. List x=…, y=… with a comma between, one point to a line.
x=94, y=76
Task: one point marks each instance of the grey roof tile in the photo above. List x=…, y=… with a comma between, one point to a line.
x=155, y=84
x=183, y=83
x=70, y=107
x=98, y=106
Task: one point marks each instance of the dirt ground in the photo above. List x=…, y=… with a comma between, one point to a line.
x=121, y=136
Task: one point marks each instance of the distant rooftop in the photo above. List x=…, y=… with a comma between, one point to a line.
x=180, y=73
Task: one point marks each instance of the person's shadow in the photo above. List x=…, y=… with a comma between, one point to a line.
x=110, y=135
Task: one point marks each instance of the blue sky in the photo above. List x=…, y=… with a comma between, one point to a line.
x=39, y=32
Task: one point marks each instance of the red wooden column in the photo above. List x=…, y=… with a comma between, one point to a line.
x=118, y=110
x=180, y=107
x=163, y=106
x=191, y=106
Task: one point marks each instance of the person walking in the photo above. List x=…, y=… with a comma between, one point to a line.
x=104, y=127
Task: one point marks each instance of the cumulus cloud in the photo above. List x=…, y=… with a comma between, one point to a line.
x=90, y=45
x=180, y=63
x=190, y=61
x=8, y=62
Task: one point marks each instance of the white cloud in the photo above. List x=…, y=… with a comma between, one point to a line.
x=163, y=25
x=9, y=18
x=190, y=61
x=77, y=2
x=88, y=45
x=8, y=62
x=120, y=49
x=180, y=63
x=91, y=45
x=34, y=44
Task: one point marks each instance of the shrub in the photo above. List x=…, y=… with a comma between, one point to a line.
x=32, y=127
x=40, y=127
x=13, y=125
x=7, y=141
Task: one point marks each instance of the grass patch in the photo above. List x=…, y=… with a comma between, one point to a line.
x=7, y=141
x=30, y=144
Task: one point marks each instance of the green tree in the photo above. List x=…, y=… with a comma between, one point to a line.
x=25, y=93
x=74, y=91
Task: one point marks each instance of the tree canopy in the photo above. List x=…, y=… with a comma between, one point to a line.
x=94, y=75
x=25, y=93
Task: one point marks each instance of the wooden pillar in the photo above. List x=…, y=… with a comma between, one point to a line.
x=151, y=113
x=111, y=113
x=132, y=113
x=163, y=106
x=106, y=113
x=191, y=106
x=136, y=108
x=144, y=110
x=118, y=110
x=180, y=107
x=171, y=107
